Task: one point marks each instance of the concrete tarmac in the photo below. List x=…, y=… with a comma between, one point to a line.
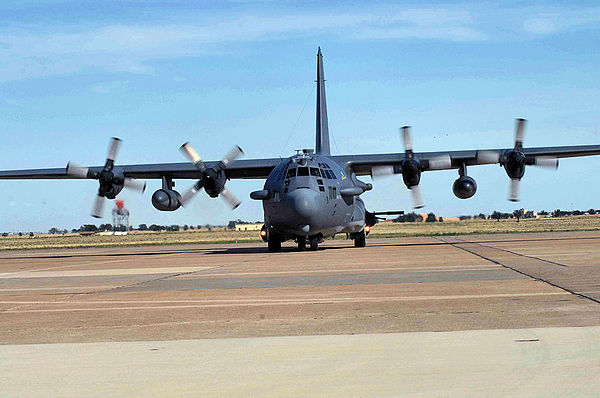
x=399, y=295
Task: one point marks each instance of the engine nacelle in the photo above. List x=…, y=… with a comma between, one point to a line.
x=166, y=200
x=464, y=187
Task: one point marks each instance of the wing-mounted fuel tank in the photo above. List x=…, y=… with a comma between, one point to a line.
x=166, y=198
x=464, y=187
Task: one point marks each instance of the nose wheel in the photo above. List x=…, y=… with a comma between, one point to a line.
x=314, y=243
x=301, y=243
x=360, y=239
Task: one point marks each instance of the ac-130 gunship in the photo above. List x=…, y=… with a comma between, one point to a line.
x=313, y=194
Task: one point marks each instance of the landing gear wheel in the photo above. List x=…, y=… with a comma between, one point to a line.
x=274, y=242
x=302, y=243
x=360, y=239
x=314, y=243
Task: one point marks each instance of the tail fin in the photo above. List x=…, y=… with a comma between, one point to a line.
x=322, y=144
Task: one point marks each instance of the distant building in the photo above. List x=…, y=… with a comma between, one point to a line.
x=530, y=214
x=248, y=227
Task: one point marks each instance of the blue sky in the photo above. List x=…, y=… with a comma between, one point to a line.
x=159, y=73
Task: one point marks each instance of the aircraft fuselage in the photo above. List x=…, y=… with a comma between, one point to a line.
x=309, y=195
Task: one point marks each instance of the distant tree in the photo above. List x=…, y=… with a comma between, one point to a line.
x=31, y=234
x=53, y=231
x=591, y=211
x=231, y=224
x=481, y=216
x=74, y=230
x=143, y=227
x=20, y=233
x=156, y=228
x=463, y=218
x=543, y=213
x=578, y=213
x=186, y=227
x=200, y=226
x=173, y=228
x=441, y=219
x=518, y=214
x=430, y=218
x=496, y=215
x=105, y=227
x=88, y=228
x=4, y=234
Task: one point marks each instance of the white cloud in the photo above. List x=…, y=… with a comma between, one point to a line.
x=557, y=21
x=37, y=51
x=45, y=50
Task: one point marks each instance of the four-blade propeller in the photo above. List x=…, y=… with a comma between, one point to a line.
x=514, y=161
x=111, y=183
x=212, y=179
x=411, y=168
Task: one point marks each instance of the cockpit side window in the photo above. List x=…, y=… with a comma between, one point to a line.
x=330, y=174
x=302, y=171
x=315, y=172
x=291, y=173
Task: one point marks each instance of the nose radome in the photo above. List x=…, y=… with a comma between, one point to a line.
x=304, y=202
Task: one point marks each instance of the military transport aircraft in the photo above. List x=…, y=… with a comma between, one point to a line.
x=313, y=194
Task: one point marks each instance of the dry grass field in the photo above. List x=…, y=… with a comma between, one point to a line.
x=382, y=230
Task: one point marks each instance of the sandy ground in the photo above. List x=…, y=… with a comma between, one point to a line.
x=457, y=301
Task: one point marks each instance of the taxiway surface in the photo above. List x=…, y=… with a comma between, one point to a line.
x=469, y=287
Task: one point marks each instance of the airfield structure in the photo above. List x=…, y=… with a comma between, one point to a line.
x=120, y=218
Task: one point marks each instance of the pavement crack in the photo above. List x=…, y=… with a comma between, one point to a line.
x=456, y=244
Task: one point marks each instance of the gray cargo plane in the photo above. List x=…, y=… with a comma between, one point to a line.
x=313, y=194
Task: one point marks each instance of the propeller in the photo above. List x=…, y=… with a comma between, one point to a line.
x=411, y=168
x=110, y=183
x=212, y=179
x=514, y=161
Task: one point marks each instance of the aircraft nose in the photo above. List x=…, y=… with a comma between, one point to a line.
x=304, y=202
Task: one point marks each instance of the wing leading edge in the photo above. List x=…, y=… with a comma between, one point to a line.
x=364, y=164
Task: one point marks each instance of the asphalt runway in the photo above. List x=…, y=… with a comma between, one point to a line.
x=526, y=301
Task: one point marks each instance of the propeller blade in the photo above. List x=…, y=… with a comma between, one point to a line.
x=75, y=170
x=97, y=209
x=232, y=155
x=192, y=155
x=135, y=185
x=190, y=193
x=547, y=162
x=441, y=162
x=230, y=199
x=115, y=143
x=487, y=157
x=381, y=171
x=408, y=145
x=417, y=197
x=519, y=133
x=514, y=190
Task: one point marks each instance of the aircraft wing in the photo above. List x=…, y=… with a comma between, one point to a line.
x=368, y=164
x=247, y=168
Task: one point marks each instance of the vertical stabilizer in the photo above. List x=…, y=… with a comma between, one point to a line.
x=322, y=144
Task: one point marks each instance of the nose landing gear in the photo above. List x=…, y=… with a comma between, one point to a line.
x=360, y=239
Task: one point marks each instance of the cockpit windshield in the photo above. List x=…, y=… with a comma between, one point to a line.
x=302, y=171
x=310, y=171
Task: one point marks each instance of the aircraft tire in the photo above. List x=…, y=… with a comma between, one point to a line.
x=360, y=239
x=301, y=243
x=314, y=243
x=274, y=243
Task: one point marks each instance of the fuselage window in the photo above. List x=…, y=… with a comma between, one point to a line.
x=291, y=173
x=302, y=171
x=315, y=172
